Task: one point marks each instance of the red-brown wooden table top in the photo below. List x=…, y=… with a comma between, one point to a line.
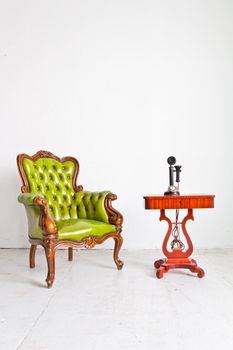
x=179, y=202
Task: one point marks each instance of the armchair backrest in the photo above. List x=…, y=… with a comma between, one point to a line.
x=52, y=177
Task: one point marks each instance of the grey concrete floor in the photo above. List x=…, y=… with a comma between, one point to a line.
x=93, y=306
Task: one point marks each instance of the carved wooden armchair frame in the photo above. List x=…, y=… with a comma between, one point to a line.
x=50, y=240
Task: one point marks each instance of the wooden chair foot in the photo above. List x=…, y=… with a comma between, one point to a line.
x=49, y=282
x=118, y=244
x=32, y=255
x=70, y=253
x=50, y=256
x=119, y=264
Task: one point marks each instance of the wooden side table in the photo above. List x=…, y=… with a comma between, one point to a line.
x=178, y=257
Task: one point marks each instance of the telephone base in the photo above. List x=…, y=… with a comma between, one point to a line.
x=170, y=193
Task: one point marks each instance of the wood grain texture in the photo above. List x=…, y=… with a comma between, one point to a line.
x=179, y=202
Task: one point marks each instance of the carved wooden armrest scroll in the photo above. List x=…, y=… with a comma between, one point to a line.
x=115, y=218
x=47, y=224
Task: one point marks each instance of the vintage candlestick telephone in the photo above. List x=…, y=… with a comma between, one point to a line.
x=173, y=190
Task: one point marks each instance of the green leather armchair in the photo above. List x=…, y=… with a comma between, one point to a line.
x=60, y=213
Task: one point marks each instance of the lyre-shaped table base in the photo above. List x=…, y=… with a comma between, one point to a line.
x=177, y=258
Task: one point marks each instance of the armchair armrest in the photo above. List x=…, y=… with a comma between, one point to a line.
x=97, y=206
x=115, y=217
x=28, y=198
x=35, y=200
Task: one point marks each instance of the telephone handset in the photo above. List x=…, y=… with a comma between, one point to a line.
x=173, y=190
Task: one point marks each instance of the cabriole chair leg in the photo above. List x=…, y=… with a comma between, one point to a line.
x=32, y=256
x=118, y=243
x=70, y=253
x=50, y=256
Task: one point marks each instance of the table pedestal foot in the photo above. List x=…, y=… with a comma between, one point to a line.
x=158, y=263
x=164, y=265
x=200, y=272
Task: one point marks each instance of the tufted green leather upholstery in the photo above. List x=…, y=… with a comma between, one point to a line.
x=76, y=214
x=33, y=214
x=60, y=213
x=78, y=229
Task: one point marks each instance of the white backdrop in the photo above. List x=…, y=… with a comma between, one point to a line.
x=121, y=85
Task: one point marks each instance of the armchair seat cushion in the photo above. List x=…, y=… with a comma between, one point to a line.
x=77, y=229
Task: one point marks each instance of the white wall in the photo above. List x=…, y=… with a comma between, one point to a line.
x=121, y=85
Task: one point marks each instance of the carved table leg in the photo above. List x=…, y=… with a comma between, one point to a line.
x=161, y=270
x=32, y=256
x=118, y=243
x=177, y=258
x=200, y=272
x=70, y=253
x=158, y=263
x=50, y=256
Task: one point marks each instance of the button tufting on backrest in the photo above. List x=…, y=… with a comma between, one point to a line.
x=54, y=180
x=91, y=205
